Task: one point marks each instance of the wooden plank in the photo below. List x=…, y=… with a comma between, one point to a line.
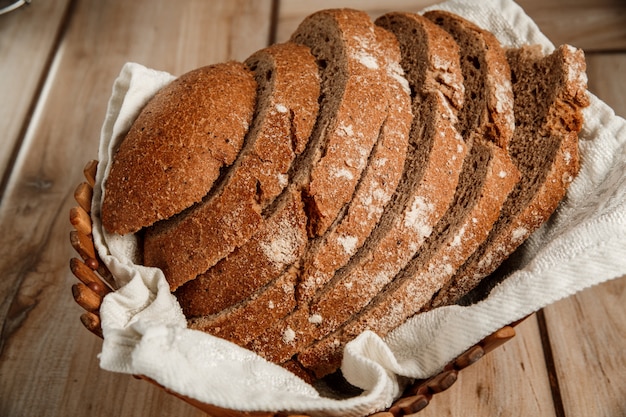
x=48, y=361
x=28, y=38
x=589, y=24
x=593, y=25
x=607, y=79
x=588, y=338
x=588, y=331
x=512, y=377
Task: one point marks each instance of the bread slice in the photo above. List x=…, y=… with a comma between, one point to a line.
x=342, y=140
x=264, y=295
x=352, y=110
x=380, y=178
x=191, y=243
x=486, y=122
x=430, y=174
x=178, y=130
x=245, y=272
x=550, y=93
x=430, y=61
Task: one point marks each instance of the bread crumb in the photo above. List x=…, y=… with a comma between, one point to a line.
x=348, y=243
x=396, y=72
x=282, y=249
x=283, y=180
x=458, y=238
x=366, y=60
x=315, y=319
x=519, y=234
x=417, y=217
x=346, y=130
x=567, y=156
x=343, y=173
x=289, y=336
x=281, y=108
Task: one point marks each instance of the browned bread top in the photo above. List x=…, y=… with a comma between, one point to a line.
x=154, y=172
x=188, y=245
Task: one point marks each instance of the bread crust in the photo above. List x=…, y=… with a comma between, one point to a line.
x=177, y=129
x=277, y=247
x=364, y=68
x=193, y=242
x=381, y=176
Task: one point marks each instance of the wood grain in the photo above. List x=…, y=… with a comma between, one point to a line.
x=588, y=334
x=51, y=359
x=510, y=381
x=588, y=24
x=28, y=36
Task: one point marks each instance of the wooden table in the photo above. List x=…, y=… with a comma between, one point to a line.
x=58, y=60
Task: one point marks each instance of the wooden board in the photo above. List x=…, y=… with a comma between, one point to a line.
x=588, y=24
x=485, y=388
x=588, y=337
x=28, y=36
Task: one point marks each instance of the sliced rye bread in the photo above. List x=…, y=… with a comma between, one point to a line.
x=329, y=252
x=275, y=248
x=192, y=242
x=245, y=272
x=353, y=108
x=430, y=61
x=550, y=93
x=178, y=130
x=486, y=122
x=347, y=53
x=380, y=178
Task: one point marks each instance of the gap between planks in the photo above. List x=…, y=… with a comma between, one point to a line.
x=38, y=96
x=557, y=399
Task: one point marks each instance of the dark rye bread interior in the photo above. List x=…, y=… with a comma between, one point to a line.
x=353, y=108
x=486, y=178
x=186, y=246
x=433, y=144
x=550, y=92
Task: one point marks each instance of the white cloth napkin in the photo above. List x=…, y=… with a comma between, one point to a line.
x=583, y=244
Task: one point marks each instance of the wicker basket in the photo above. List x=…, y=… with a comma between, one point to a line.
x=96, y=281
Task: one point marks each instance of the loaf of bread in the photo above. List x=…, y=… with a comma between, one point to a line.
x=345, y=180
